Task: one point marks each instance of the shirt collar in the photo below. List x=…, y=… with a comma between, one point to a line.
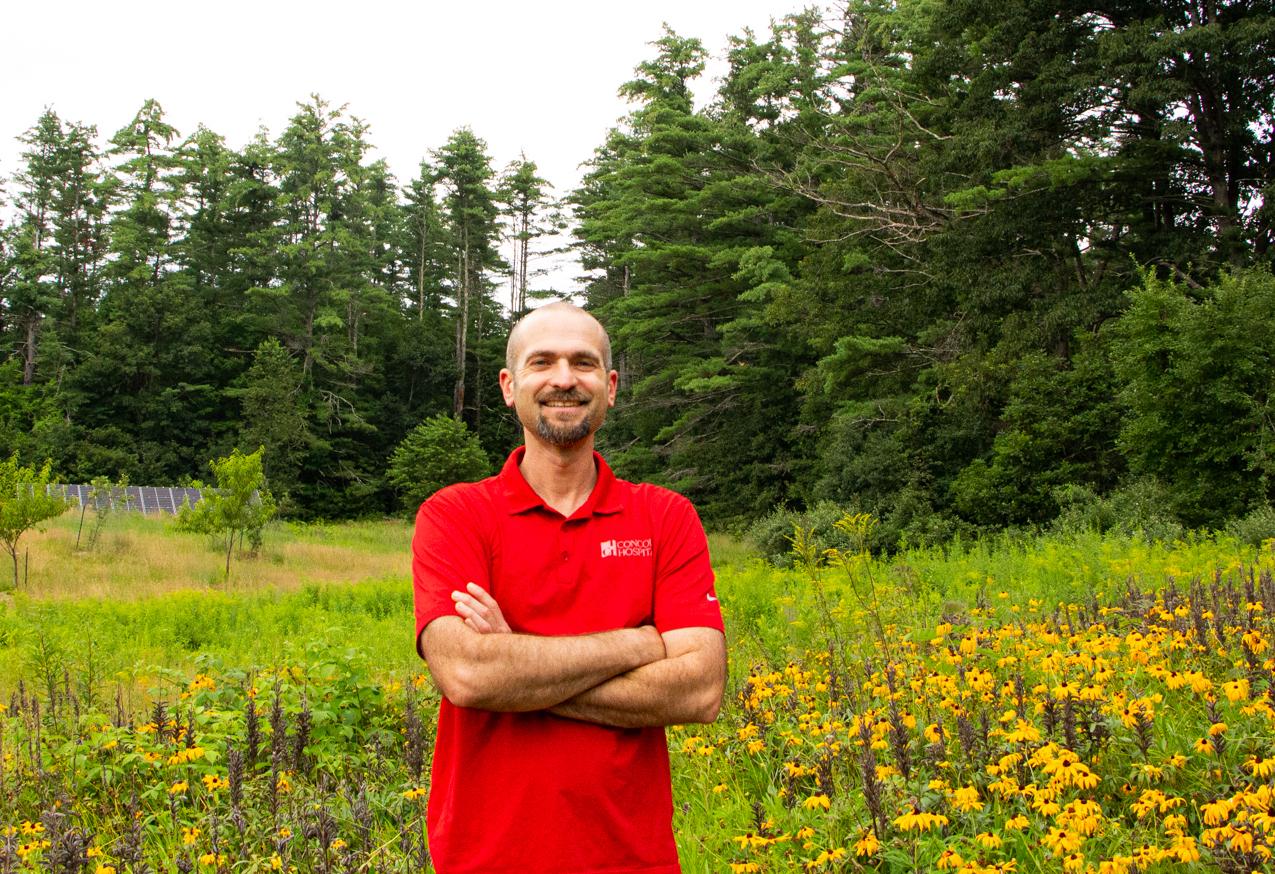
x=521, y=497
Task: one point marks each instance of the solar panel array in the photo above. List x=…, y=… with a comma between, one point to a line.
x=138, y=499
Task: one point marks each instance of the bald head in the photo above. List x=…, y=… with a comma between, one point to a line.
x=548, y=314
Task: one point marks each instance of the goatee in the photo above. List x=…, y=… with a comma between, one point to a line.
x=564, y=435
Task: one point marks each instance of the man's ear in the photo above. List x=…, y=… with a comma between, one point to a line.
x=613, y=381
x=507, y=386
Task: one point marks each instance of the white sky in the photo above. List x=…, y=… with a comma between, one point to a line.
x=538, y=77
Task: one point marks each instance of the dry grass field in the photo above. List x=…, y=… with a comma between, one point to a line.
x=142, y=556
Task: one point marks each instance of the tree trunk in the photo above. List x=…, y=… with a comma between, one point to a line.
x=29, y=347
x=523, y=245
x=478, y=373
x=462, y=329
x=513, y=281
x=420, y=273
x=307, y=359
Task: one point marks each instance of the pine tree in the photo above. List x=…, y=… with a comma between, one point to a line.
x=275, y=416
x=152, y=363
x=424, y=245
x=527, y=208
x=58, y=244
x=465, y=174
x=690, y=238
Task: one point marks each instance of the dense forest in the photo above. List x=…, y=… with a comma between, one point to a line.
x=960, y=265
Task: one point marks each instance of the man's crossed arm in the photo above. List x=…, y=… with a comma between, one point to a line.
x=628, y=678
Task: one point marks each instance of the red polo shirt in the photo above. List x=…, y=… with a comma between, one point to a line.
x=535, y=792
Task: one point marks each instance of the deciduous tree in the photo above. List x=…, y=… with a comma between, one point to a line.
x=239, y=505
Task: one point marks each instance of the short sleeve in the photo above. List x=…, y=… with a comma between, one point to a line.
x=684, y=592
x=448, y=551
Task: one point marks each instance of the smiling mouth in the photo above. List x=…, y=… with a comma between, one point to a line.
x=564, y=403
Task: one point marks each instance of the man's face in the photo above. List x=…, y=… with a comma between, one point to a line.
x=559, y=387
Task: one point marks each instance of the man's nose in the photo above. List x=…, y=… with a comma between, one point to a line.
x=562, y=373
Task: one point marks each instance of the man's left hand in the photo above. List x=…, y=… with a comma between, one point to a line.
x=480, y=610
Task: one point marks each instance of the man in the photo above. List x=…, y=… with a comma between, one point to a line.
x=566, y=616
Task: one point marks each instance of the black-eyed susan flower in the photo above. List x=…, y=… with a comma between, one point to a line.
x=1017, y=823
x=1062, y=842
x=919, y=820
x=867, y=845
x=1259, y=766
x=817, y=802
x=965, y=799
x=1184, y=849
x=1116, y=865
x=1236, y=690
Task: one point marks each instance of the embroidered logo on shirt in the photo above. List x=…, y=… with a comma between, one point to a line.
x=626, y=548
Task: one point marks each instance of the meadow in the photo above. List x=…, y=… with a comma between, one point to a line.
x=1047, y=703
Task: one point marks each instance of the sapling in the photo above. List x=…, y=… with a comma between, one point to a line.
x=24, y=503
x=102, y=491
x=239, y=504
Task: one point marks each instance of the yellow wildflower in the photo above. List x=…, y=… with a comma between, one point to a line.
x=816, y=801
x=965, y=799
x=867, y=845
x=918, y=820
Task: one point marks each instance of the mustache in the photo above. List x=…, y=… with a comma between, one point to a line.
x=572, y=396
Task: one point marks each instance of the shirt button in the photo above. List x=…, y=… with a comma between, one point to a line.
x=565, y=556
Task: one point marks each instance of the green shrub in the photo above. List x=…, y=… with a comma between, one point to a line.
x=1196, y=382
x=1142, y=507
x=1254, y=528
x=438, y=452
x=773, y=533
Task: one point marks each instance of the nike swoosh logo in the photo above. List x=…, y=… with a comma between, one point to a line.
x=710, y=597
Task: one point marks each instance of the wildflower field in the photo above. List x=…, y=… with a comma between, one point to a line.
x=1079, y=703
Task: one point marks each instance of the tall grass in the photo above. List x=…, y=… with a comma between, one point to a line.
x=773, y=612
x=151, y=600
x=105, y=643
